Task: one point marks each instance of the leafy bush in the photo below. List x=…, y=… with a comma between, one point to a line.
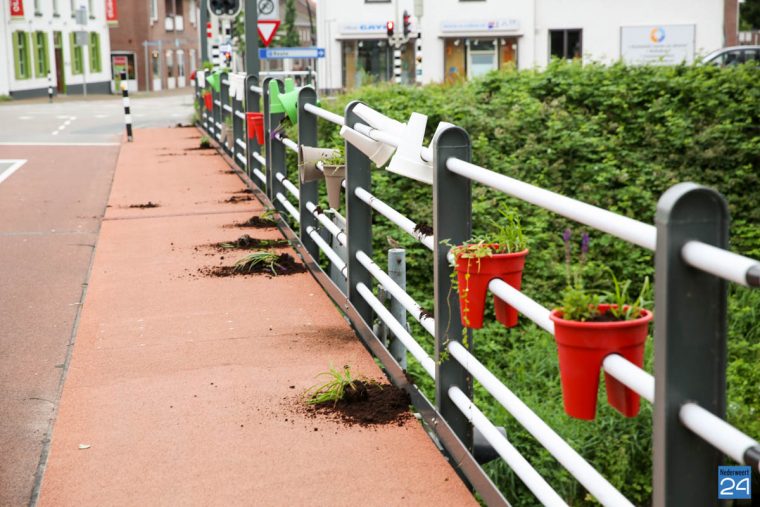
x=613, y=136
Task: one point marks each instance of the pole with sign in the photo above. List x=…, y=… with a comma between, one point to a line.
x=268, y=19
x=81, y=41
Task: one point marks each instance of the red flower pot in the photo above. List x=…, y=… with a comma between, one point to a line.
x=208, y=100
x=255, y=123
x=474, y=274
x=582, y=347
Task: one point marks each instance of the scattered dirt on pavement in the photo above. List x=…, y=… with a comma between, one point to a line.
x=244, y=191
x=148, y=204
x=369, y=404
x=238, y=198
x=285, y=265
x=256, y=222
x=245, y=242
x=195, y=148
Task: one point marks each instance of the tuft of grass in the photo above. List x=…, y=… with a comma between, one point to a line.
x=332, y=390
x=254, y=259
x=205, y=142
x=268, y=214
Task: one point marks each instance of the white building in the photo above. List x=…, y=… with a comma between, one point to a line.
x=37, y=39
x=466, y=38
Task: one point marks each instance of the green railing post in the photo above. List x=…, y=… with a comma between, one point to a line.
x=690, y=345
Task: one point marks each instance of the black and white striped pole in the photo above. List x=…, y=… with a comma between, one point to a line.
x=397, y=63
x=418, y=58
x=50, y=87
x=125, y=99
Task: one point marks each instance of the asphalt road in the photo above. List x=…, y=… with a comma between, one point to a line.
x=56, y=167
x=95, y=120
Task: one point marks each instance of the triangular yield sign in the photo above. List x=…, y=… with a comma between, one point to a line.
x=267, y=28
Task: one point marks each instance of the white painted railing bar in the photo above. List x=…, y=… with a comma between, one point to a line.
x=227, y=107
x=260, y=175
x=721, y=263
x=257, y=89
x=524, y=470
x=240, y=143
x=325, y=114
x=217, y=102
x=327, y=249
x=633, y=231
x=389, y=139
x=397, y=292
x=239, y=114
x=218, y=125
x=241, y=158
x=259, y=158
x=639, y=381
x=716, y=432
x=522, y=303
x=286, y=204
x=289, y=143
x=394, y=216
x=226, y=82
x=587, y=475
x=288, y=185
x=328, y=224
x=397, y=329
x=218, y=137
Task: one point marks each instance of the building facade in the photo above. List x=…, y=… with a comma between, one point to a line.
x=462, y=39
x=157, y=43
x=40, y=47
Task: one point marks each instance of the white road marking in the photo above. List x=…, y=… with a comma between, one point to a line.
x=101, y=116
x=55, y=133
x=23, y=143
x=15, y=165
x=26, y=117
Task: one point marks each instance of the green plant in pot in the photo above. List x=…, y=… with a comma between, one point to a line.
x=334, y=168
x=480, y=260
x=588, y=327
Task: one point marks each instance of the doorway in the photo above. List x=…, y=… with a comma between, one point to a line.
x=181, y=79
x=60, y=76
x=155, y=70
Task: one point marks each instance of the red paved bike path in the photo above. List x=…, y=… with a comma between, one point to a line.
x=185, y=389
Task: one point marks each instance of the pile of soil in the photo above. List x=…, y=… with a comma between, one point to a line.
x=257, y=222
x=238, y=198
x=245, y=242
x=285, y=265
x=148, y=204
x=369, y=404
x=209, y=147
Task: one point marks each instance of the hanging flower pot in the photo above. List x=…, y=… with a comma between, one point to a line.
x=334, y=176
x=208, y=99
x=582, y=346
x=255, y=126
x=475, y=272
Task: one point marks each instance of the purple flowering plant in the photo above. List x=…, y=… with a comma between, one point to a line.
x=582, y=304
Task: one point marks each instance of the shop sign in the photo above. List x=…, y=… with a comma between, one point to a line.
x=17, y=8
x=494, y=25
x=657, y=44
x=112, y=13
x=363, y=28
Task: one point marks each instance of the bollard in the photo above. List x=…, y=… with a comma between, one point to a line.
x=397, y=272
x=125, y=100
x=50, y=87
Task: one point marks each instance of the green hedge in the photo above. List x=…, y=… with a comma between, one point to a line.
x=616, y=137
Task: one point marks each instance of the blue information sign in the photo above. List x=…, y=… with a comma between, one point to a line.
x=285, y=53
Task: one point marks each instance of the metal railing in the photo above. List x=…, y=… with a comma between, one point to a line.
x=692, y=266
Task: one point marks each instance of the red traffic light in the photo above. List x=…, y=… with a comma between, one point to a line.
x=389, y=26
x=407, y=26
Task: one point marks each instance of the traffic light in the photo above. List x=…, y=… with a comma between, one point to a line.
x=224, y=7
x=389, y=26
x=407, y=24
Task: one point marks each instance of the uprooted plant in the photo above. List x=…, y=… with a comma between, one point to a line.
x=258, y=261
x=335, y=389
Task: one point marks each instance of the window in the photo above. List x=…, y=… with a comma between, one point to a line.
x=95, y=63
x=42, y=67
x=365, y=61
x=193, y=65
x=191, y=11
x=73, y=5
x=153, y=10
x=77, y=60
x=472, y=57
x=56, y=14
x=169, y=64
x=91, y=8
x=37, y=8
x=21, y=55
x=566, y=44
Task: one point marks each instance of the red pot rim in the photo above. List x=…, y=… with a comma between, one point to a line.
x=521, y=253
x=556, y=317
